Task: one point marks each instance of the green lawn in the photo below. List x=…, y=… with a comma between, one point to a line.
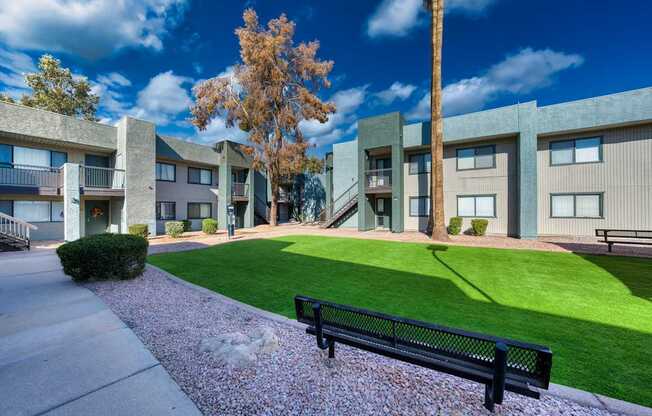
x=594, y=312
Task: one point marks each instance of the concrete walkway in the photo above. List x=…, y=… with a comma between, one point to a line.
x=63, y=352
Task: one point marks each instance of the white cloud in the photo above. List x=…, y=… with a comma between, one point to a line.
x=218, y=131
x=396, y=91
x=398, y=17
x=113, y=79
x=163, y=99
x=522, y=73
x=340, y=124
x=91, y=29
x=13, y=67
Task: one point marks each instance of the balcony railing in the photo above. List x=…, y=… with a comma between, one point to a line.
x=29, y=175
x=240, y=189
x=378, y=180
x=105, y=178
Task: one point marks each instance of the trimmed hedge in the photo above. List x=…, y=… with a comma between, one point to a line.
x=104, y=257
x=209, y=226
x=186, y=225
x=455, y=225
x=139, y=229
x=174, y=228
x=479, y=226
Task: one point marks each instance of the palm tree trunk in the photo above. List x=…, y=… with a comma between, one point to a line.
x=436, y=126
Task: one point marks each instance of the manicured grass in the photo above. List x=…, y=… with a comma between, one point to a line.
x=594, y=312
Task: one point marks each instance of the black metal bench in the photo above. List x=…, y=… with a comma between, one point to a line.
x=500, y=364
x=624, y=237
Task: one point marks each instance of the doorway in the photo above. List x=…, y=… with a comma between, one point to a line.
x=96, y=215
x=383, y=211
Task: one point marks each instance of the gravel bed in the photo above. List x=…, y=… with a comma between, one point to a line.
x=298, y=379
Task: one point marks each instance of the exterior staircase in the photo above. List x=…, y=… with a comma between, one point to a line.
x=261, y=211
x=14, y=233
x=341, y=206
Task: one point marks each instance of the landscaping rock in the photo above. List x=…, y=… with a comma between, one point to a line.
x=239, y=350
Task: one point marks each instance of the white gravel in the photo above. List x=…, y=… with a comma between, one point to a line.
x=172, y=319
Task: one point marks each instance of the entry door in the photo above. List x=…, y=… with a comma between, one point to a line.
x=383, y=213
x=97, y=217
x=381, y=165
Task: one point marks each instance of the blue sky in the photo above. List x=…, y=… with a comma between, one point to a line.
x=144, y=56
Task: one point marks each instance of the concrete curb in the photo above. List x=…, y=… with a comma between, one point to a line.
x=581, y=397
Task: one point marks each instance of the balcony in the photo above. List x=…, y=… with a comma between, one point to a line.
x=29, y=179
x=95, y=180
x=378, y=181
x=240, y=191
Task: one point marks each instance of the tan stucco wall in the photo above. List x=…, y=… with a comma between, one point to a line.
x=625, y=177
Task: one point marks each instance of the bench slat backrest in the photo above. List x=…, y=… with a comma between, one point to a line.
x=637, y=234
x=525, y=362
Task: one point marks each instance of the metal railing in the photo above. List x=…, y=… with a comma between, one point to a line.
x=378, y=179
x=97, y=177
x=29, y=175
x=15, y=228
x=283, y=195
x=341, y=202
x=240, y=189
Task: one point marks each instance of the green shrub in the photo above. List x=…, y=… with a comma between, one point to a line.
x=186, y=225
x=104, y=257
x=174, y=228
x=455, y=225
x=139, y=229
x=209, y=226
x=479, y=226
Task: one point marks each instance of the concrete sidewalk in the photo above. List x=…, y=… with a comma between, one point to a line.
x=63, y=352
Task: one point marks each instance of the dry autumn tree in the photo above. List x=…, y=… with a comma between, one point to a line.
x=436, y=221
x=273, y=89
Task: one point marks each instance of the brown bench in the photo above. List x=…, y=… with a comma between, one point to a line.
x=612, y=236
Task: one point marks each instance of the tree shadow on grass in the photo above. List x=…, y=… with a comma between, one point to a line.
x=267, y=274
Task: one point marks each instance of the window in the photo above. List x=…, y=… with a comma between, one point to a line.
x=57, y=159
x=419, y=206
x=199, y=210
x=97, y=161
x=32, y=211
x=200, y=176
x=576, y=205
x=483, y=157
x=420, y=163
x=166, y=210
x=31, y=157
x=476, y=206
x=6, y=154
x=380, y=205
x=56, y=211
x=166, y=172
x=568, y=152
x=7, y=208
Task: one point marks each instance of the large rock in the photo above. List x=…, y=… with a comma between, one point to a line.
x=239, y=350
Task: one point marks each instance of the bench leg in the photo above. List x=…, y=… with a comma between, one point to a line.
x=331, y=349
x=488, y=399
x=609, y=246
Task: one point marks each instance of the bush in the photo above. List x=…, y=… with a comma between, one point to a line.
x=209, y=226
x=139, y=229
x=174, y=228
x=186, y=225
x=479, y=226
x=455, y=225
x=104, y=257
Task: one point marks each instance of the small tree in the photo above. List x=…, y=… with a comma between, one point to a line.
x=6, y=99
x=55, y=89
x=271, y=91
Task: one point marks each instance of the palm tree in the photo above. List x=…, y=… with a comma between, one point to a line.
x=436, y=220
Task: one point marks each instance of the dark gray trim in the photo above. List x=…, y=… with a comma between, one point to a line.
x=200, y=169
x=575, y=194
x=475, y=209
x=158, y=211
x=574, y=141
x=475, y=151
x=410, y=207
x=169, y=164
x=199, y=203
x=410, y=163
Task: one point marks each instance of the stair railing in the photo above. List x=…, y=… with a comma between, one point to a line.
x=15, y=228
x=340, y=203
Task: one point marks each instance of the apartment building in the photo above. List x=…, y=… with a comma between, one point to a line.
x=70, y=178
x=557, y=170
